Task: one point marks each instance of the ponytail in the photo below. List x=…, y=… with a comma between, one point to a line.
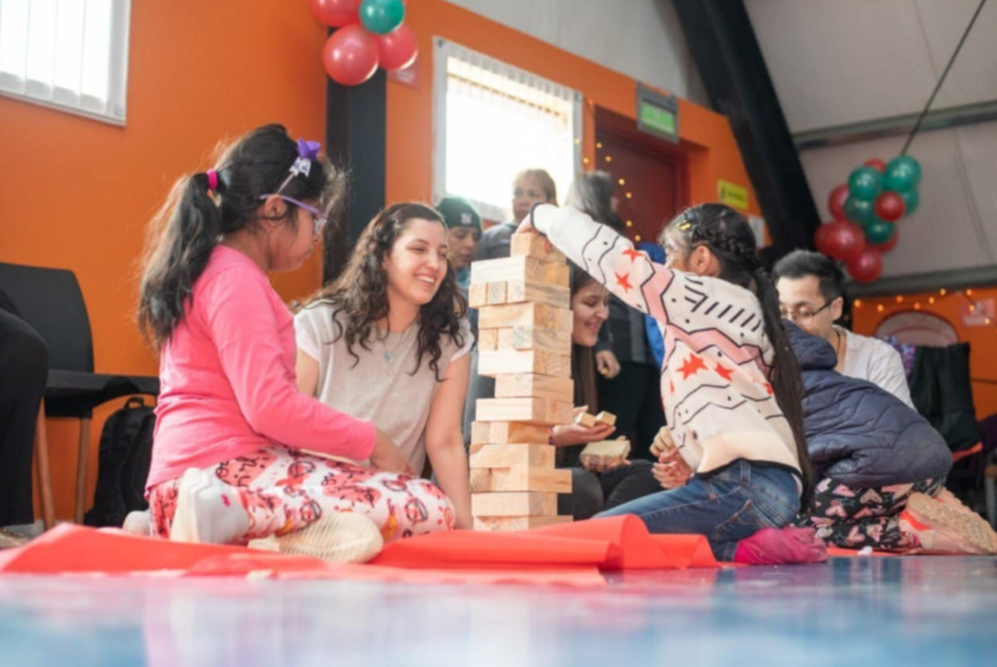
x=187, y=229
x=203, y=207
x=787, y=382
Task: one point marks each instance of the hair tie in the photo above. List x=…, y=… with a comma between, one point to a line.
x=212, y=180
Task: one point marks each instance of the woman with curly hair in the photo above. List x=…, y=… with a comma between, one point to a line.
x=388, y=342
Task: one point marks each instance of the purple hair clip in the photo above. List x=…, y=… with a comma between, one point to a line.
x=307, y=152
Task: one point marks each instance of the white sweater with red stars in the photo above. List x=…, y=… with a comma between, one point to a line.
x=714, y=382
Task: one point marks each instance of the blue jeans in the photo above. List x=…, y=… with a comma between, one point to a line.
x=731, y=504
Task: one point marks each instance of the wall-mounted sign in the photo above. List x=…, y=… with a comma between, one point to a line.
x=735, y=196
x=658, y=114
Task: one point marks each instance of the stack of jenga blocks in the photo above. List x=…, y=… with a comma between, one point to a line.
x=524, y=342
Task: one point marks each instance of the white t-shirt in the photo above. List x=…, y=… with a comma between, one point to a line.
x=877, y=362
x=379, y=386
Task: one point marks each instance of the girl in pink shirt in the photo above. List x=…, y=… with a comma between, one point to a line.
x=239, y=453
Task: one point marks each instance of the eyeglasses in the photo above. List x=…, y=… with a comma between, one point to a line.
x=803, y=314
x=320, y=218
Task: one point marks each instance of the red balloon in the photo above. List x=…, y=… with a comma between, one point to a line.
x=836, y=201
x=867, y=266
x=335, y=13
x=890, y=206
x=350, y=55
x=398, y=48
x=820, y=237
x=876, y=164
x=889, y=245
x=844, y=240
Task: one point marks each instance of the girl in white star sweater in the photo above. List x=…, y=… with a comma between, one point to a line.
x=730, y=382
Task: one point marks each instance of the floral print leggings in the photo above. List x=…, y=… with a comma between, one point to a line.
x=853, y=518
x=284, y=490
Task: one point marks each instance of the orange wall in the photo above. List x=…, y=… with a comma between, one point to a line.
x=982, y=340
x=77, y=193
x=706, y=136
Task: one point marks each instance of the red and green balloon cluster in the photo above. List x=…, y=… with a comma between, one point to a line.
x=370, y=33
x=865, y=209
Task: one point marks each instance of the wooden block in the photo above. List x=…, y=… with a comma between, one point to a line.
x=612, y=448
x=485, y=480
x=606, y=418
x=519, y=385
x=483, y=433
x=526, y=314
x=477, y=295
x=529, y=410
x=497, y=293
x=512, y=456
x=501, y=362
x=510, y=523
x=518, y=291
x=506, y=339
x=488, y=340
x=541, y=338
x=585, y=419
x=518, y=504
x=519, y=268
x=534, y=245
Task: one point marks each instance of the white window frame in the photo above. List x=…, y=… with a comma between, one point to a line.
x=114, y=109
x=442, y=51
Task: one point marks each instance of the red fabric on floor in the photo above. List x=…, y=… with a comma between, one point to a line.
x=568, y=554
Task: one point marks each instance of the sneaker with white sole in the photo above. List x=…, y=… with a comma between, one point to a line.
x=208, y=510
x=941, y=526
x=343, y=537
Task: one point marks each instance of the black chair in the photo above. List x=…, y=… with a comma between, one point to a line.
x=50, y=300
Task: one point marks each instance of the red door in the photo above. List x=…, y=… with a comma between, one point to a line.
x=650, y=174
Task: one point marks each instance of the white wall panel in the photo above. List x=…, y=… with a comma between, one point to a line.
x=642, y=39
x=844, y=61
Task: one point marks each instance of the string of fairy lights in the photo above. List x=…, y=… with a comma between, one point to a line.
x=608, y=159
x=901, y=302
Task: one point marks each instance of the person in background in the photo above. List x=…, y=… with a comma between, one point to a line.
x=463, y=235
x=812, y=296
x=532, y=186
x=24, y=357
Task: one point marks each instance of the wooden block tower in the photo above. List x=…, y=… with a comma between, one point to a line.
x=524, y=342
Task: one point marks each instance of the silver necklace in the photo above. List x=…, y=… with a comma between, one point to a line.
x=389, y=354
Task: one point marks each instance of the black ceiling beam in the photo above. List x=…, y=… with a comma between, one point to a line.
x=356, y=141
x=723, y=45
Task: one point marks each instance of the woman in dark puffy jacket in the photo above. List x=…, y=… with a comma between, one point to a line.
x=880, y=464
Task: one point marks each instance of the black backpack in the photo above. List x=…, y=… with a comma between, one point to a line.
x=123, y=464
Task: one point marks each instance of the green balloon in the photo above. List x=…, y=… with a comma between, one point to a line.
x=879, y=231
x=903, y=173
x=865, y=183
x=859, y=210
x=382, y=16
x=912, y=199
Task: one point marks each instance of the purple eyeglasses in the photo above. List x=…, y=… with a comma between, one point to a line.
x=320, y=218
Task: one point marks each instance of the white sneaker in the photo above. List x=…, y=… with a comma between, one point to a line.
x=343, y=537
x=208, y=510
x=943, y=526
x=138, y=523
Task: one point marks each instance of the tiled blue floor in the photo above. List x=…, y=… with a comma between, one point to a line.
x=859, y=611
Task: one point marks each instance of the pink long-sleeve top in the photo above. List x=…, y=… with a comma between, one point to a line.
x=228, y=385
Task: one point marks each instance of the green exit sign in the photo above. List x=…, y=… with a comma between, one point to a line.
x=658, y=114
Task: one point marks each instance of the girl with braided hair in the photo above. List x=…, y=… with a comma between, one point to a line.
x=736, y=467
